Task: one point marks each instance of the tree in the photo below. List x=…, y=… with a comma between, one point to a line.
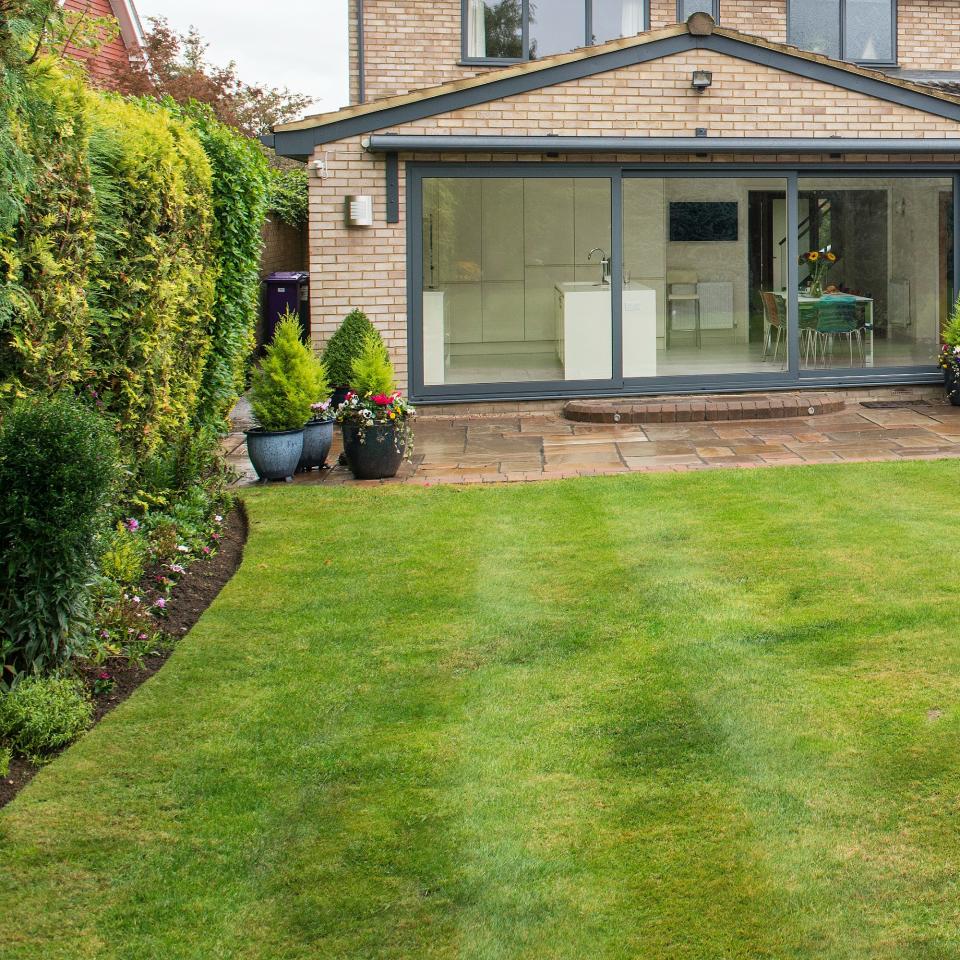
x=175, y=65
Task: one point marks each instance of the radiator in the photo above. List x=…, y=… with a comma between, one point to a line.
x=716, y=305
x=898, y=305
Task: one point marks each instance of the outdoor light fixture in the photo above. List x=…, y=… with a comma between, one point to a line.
x=701, y=80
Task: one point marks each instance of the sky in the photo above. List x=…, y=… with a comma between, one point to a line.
x=300, y=44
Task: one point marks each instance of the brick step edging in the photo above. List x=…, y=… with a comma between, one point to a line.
x=694, y=409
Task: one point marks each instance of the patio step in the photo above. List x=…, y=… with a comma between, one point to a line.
x=692, y=409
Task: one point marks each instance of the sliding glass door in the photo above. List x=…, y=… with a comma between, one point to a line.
x=517, y=280
x=699, y=298
x=571, y=280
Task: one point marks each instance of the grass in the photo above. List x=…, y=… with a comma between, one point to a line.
x=694, y=716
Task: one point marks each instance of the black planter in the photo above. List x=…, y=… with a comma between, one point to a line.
x=374, y=453
x=950, y=382
x=317, y=439
x=338, y=396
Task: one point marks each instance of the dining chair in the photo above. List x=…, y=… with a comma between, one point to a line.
x=837, y=317
x=682, y=289
x=774, y=318
x=808, y=330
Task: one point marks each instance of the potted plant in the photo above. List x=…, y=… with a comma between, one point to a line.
x=317, y=436
x=342, y=349
x=950, y=355
x=819, y=262
x=281, y=394
x=375, y=418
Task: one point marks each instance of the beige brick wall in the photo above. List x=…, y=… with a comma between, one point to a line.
x=367, y=267
x=411, y=44
x=928, y=34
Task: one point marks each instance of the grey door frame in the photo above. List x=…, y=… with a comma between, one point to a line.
x=790, y=378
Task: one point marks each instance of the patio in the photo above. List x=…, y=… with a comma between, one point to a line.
x=541, y=446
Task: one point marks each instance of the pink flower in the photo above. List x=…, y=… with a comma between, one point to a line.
x=215, y=536
x=218, y=518
x=103, y=675
x=141, y=636
x=133, y=525
x=206, y=550
x=160, y=602
x=104, y=634
x=136, y=599
x=177, y=568
x=382, y=400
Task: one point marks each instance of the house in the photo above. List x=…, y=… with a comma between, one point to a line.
x=114, y=54
x=542, y=199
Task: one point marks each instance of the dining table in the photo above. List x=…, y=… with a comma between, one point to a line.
x=867, y=329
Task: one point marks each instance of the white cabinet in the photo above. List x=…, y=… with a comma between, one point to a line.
x=639, y=331
x=434, y=341
x=584, y=336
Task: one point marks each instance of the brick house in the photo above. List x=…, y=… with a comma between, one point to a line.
x=593, y=197
x=114, y=54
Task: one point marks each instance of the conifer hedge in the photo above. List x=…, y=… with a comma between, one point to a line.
x=129, y=251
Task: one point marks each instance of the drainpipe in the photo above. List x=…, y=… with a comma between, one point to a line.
x=361, y=82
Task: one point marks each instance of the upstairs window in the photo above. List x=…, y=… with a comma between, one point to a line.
x=509, y=30
x=862, y=31
x=687, y=8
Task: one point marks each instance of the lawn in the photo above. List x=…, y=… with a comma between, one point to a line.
x=671, y=716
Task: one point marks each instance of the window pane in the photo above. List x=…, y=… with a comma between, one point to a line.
x=876, y=293
x=689, y=7
x=556, y=26
x=513, y=284
x=613, y=19
x=494, y=29
x=700, y=258
x=869, y=34
x=815, y=26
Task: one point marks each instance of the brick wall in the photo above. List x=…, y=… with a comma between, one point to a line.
x=102, y=64
x=367, y=267
x=416, y=43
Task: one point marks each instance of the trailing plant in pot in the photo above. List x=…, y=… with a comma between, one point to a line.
x=343, y=348
x=375, y=418
x=950, y=355
x=317, y=434
x=284, y=387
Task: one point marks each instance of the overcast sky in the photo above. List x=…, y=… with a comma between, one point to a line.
x=300, y=44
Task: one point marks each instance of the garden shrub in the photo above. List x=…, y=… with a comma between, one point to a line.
x=125, y=557
x=372, y=371
x=346, y=345
x=240, y=194
x=42, y=714
x=289, y=380
x=58, y=468
x=152, y=288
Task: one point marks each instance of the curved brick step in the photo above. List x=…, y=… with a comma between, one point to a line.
x=754, y=406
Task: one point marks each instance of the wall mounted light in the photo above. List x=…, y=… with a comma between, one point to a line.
x=701, y=80
x=359, y=211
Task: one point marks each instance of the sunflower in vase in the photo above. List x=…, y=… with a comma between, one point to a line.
x=819, y=262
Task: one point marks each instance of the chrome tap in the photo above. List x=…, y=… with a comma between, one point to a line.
x=604, y=264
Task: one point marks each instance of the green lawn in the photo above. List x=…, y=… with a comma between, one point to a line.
x=675, y=716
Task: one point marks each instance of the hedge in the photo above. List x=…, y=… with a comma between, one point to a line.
x=129, y=248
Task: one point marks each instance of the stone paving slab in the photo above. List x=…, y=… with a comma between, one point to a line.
x=542, y=446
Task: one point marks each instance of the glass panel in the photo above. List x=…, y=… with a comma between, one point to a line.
x=689, y=7
x=875, y=271
x=815, y=25
x=613, y=19
x=556, y=26
x=869, y=30
x=494, y=29
x=513, y=274
x=700, y=258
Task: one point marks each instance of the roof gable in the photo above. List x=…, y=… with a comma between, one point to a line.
x=300, y=137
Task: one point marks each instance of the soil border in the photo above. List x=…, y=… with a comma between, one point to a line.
x=189, y=599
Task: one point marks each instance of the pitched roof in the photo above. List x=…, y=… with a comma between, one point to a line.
x=700, y=32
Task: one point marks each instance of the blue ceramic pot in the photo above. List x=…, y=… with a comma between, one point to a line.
x=275, y=454
x=317, y=440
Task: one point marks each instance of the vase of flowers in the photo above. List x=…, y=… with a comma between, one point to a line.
x=375, y=418
x=818, y=262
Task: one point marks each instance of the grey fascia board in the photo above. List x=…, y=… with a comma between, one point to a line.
x=441, y=143
x=301, y=143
